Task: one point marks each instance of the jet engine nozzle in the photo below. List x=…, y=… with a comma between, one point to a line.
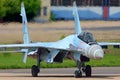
x=95, y=51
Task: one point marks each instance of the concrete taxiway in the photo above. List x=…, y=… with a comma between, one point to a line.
x=104, y=73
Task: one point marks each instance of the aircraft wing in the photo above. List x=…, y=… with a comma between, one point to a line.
x=34, y=46
x=105, y=44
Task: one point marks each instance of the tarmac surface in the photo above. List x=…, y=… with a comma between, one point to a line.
x=98, y=73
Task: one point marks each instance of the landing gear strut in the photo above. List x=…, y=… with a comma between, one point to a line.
x=36, y=69
x=82, y=68
x=88, y=71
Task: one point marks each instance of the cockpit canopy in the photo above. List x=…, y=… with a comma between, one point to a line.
x=86, y=37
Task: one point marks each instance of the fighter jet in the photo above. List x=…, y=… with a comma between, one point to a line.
x=80, y=47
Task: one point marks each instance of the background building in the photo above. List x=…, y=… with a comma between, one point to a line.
x=87, y=9
x=85, y=2
x=44, y=13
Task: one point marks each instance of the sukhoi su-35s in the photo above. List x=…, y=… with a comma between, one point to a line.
x=80, y=47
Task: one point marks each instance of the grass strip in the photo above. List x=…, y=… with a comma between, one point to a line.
x=14, y=61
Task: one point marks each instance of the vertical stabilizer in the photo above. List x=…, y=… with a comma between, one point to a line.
x=24, y=25
x=78, y=29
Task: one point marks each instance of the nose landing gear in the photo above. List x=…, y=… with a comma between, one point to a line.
x=82, y=68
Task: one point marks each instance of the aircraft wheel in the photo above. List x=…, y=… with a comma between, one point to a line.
x=78, y=74
x=34, y=71
x=88, y=71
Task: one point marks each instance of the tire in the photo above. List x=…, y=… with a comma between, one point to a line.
x=88, y=71
x=78, y=74
x=34, y=70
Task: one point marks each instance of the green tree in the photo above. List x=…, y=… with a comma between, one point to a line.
x=2, y=9
x=12, y=9
x=32, y=7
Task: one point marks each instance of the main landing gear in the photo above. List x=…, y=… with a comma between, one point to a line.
x=36, y=69
x=82, y=68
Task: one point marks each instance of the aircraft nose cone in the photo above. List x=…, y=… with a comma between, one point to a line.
x=95, y=52
x=99, y=54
